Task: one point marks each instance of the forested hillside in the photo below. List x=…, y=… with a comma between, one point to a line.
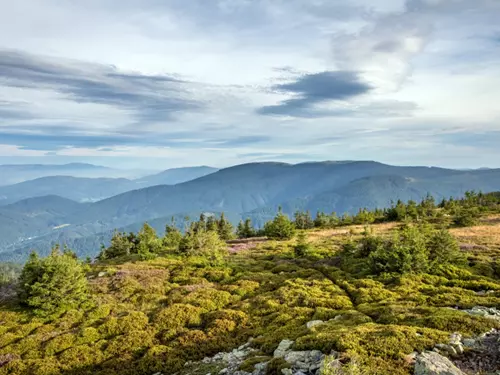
x=370, y=293
x=252, y=191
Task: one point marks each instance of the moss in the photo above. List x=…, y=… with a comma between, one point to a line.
x=275, y=366
x=177, y=316
x=80, y=356
x=88, y=335
x=59, y=343
x=248, y=365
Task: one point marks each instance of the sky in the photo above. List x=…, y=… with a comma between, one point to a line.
x=166, y=83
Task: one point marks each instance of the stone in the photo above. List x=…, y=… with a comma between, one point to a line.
x=455, y=338
x=283, y=348
x=223, y=371
x=102, y=274
x=294, y=357
x=448, y=349
x=432, y=363
x=287, y=371
x=260, y=368
x=469, y=343
x=314, y=323
x=459, y=348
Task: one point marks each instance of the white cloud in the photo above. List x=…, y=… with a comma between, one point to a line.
x=431, y=62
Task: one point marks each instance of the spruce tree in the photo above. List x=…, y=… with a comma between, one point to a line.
x=53, y=284
x=225, y=228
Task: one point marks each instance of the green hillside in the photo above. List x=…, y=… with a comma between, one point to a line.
x=375, y=292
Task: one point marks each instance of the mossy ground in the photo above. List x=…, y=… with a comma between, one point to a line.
x=155, y=315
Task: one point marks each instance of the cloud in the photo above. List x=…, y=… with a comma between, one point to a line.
x=312, y=89
x=152, y=98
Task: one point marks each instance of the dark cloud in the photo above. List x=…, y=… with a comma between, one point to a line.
x=316, y=88
x=151, y=98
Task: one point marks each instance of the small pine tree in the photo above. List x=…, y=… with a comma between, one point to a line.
x=225, y=228
x=173, y=236
x=148, y=242
x=302, y=246
x=120, y=246
x=245, y=229
x=281, y=228
x=205, y=244
x=53, y=284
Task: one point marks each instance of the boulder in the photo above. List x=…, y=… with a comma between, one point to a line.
x=283, y=348
x=432, y=363
x=314, y=323
x=469, y=343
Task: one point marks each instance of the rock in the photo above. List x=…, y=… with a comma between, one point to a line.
x=223, y=371
x=314, y=323
x=448, y=349
x=410, y=358
x=432, y=363
x=469, y=343
x=459, y=348
x=455, y=338
x=283, y=348
x=294, y=357
x=260, y=368
x=287, y=371
x=102, y=274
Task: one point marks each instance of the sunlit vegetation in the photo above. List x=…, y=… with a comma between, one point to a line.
x=388, y=283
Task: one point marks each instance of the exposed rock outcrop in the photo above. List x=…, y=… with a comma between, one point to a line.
x=432, y=363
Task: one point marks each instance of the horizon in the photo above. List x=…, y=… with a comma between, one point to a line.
x=241, y=164
x=229, y=82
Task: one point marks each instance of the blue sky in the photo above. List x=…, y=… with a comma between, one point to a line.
x=150, y=83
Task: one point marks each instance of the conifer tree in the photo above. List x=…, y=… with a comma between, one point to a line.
x=53, y=284
x=225, y=228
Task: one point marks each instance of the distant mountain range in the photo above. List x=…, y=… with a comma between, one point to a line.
x=83, y=189
x=249, y=190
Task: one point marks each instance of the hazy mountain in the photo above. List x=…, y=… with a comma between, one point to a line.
x=76, y=188
x=33, y=217
x=255, y=191
x=176, y=176
x=83, y=189
x=15, y=173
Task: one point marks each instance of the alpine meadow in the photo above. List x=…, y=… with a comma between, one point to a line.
x=250, y=187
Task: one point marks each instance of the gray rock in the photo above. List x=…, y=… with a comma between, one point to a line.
x=102, y=274
x=314, y=323
x=432, y=363
x=287, y=371
x=283, y=348
x=260, y=368
x=223, y=371
x=294, y=357
x=455, y=338
x=469, y=343
x=447, y=349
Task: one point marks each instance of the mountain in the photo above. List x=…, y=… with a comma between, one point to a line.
x=257, y=190
x=15, y=173
x=75, y=188
x=176, y=176
x=33, y=217
x=83, y=189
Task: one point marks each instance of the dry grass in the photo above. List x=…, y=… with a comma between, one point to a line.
x=353, y=229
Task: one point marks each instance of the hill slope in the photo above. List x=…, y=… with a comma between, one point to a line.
x=176, y=176
x=256, y=190
x=165, y=315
